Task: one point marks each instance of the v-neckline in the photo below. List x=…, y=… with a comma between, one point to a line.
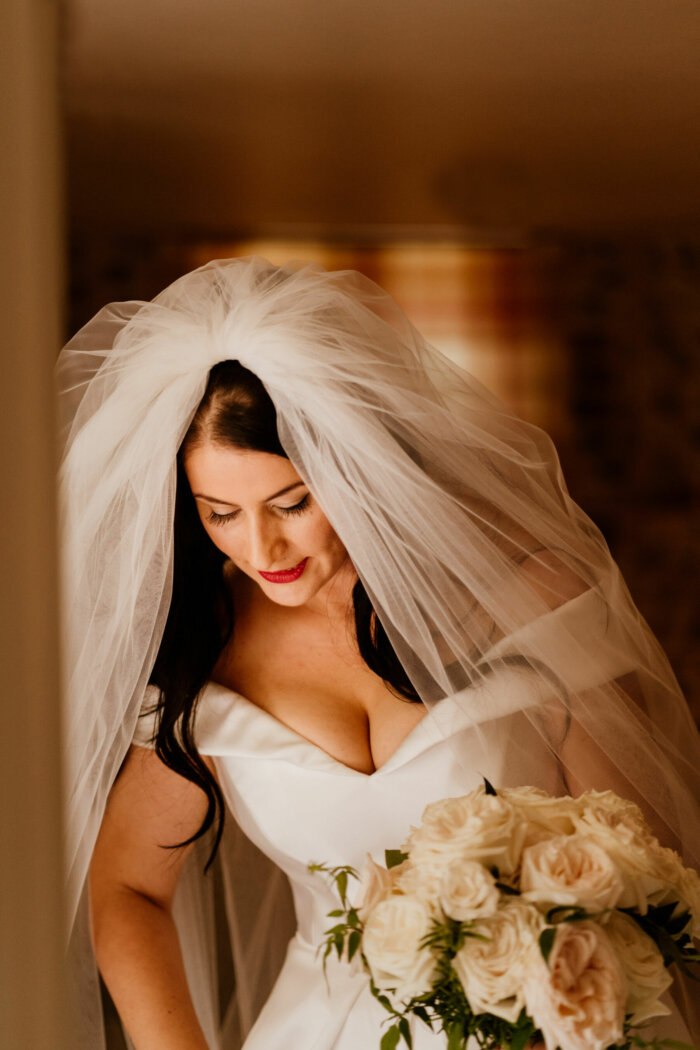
x=299, y=739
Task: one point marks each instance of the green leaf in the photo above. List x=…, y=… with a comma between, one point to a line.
x=508, y=890
x=394, y=857
x=335, y=913
x=353, y=943
x=567, y=913
x=379, y=996
x=678, y=950
x=489, y=788
x=342, y=884
x=678, y=924
x=390, y=1039
x=522, y=1036
x=455, y=1036
x=476, y=936
x=547, y=942
x=420, y=1011
x=663, y=913
x=406, y=1032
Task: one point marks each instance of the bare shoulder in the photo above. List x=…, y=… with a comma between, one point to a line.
x=552, y=579
x=549, y=571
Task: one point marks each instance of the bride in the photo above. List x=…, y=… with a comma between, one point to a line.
x=314, y=578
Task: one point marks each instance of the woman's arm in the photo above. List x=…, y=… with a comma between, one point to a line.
x=132, y=885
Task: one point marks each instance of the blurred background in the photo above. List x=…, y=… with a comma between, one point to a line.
x=522, y=176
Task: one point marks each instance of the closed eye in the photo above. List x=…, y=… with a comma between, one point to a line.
x=223, y=519
x=298, y=508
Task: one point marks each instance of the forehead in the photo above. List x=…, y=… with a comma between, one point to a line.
x=234, y=475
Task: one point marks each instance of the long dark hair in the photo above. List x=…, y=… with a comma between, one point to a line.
x=237, y=411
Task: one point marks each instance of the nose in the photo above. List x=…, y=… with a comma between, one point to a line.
x=266, y=544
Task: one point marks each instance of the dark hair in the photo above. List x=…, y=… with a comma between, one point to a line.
x=237, y=411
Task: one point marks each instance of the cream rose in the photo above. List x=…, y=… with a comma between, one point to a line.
x=545, y=816
x=647, y=869
x=423, y=881
x=468, y=891
x=476, y=826
x=570, y=869
x=606, y=805
x=375, y=884
x=391, y=944
x=643, y=963
x=492, y=971
x=577, y=1000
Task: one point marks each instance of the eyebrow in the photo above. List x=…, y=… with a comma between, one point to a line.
x=225, y=503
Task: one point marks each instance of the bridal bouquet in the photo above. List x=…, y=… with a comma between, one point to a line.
x=513, y=916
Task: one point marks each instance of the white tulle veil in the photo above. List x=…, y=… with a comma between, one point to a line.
x=492, y=585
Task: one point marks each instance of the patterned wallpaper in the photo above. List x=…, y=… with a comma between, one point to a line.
x=628, y=314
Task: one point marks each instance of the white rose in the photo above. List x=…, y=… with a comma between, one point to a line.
x=546, y=816
x=469, y=891
x=424, y=881
x=577, y=1000
x=375, y=884
x=570, y=869
x=492, y=971
x=391, y=944
x=476, y=826
x=618, y=826
x=615, y=805
x=644, y=968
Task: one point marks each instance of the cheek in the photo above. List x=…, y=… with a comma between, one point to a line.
x=325, y=538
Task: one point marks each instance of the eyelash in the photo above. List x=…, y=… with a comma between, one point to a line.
x=223, y=519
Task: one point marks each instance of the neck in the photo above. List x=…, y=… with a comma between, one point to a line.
x=334, y=600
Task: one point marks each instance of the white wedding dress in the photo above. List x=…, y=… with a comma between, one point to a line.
x=298, y=804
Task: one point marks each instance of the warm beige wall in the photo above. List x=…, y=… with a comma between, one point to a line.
x=495, y=117
x=32, y=999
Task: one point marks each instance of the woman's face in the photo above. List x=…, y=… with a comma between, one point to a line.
x=258, y=511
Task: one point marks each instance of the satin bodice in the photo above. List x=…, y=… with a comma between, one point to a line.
x=298, y=804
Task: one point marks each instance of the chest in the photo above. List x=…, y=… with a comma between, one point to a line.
x=308, y=673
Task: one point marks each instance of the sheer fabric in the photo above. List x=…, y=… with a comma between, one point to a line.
x=491, y=583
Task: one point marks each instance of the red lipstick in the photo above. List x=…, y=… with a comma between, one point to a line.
x=287, y=575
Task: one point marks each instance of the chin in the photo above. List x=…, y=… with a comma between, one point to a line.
x=291, y=601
